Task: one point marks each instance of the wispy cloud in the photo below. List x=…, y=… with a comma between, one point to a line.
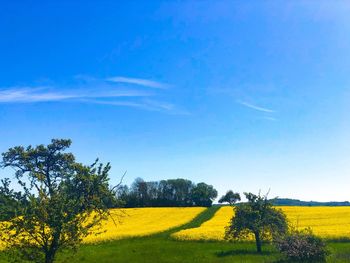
x=95, y=91
x=27, y=94
x=42, y=94
x=255, y=107
x=269, y=118
x=145, y=104
x=141, y=104
x=141, y=82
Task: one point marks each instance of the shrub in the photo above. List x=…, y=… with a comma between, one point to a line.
x=302, y=246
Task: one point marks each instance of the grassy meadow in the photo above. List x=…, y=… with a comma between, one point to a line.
x=196, y=235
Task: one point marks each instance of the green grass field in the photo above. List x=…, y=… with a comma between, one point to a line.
x=154, y=249
x=161, y=248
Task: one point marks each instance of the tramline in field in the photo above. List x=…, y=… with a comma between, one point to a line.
x=327, y=222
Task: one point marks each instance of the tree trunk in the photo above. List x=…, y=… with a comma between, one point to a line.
x=50, y=254
x=258, y=242
x=49, y=257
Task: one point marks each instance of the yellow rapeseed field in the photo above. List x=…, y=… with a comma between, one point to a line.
x=131, y=222
x=327, y=222
x=213, y=229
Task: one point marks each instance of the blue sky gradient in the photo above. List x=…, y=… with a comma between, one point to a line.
x=242, y=95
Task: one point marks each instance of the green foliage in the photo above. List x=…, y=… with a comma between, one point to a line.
x=10, y=201
x=302, y=246
x=63, y=200
x=172, y=192
x=230, y=197
x=203, y=194
x=257, y=217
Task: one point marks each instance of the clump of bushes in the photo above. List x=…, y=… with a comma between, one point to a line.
x=302, y=246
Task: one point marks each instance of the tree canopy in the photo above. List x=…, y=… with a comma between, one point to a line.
x=172, y=192
x=60, y=200
x=230, y=197
x=257, y=217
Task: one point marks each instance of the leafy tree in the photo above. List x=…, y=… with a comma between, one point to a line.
x=257, y=217
x=230, y=197
x=152, y=193
x=64, y=200
x=139, y=190
x=181, y=191
x=203, y=194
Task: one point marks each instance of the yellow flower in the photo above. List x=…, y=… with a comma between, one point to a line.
x=327, y=222
x=131, y=222
x=213, y=229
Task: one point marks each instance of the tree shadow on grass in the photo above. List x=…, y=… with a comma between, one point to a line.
x=241, y=252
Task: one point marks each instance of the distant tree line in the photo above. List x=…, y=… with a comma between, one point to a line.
x=172, y=192
x=296, y=202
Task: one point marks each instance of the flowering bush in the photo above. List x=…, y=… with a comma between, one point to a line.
x=302, y=246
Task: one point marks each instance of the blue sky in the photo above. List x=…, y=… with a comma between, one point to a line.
x=241, y=95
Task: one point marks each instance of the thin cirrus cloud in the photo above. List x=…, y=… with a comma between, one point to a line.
x=145, y=104
x=255, y=107
x=141, y=82
x=95, y=91
x=44, y=94
x=269, y=118
x=28, y=94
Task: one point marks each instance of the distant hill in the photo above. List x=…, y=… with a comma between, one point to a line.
x=296, y=202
